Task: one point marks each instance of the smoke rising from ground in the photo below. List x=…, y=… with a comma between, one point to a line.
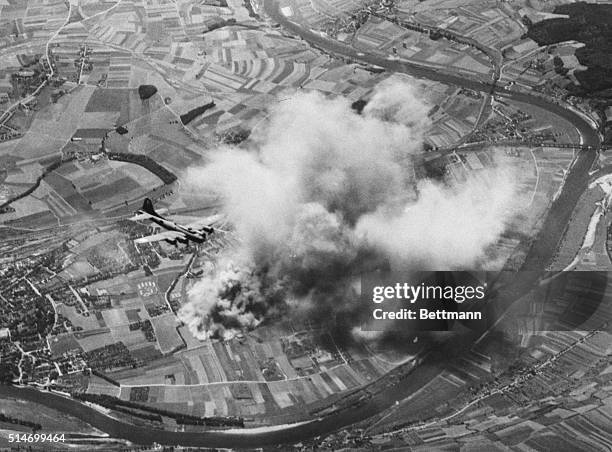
x=323, y=194
x=448, y=227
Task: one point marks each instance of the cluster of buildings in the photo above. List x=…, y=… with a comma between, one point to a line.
x=555, y=392
x=41, y=307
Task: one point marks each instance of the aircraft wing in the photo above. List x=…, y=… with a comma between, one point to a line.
x=166, y=235
x=140, y=216
x=205, y=222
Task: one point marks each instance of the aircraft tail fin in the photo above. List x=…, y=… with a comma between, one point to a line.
x=147, y=206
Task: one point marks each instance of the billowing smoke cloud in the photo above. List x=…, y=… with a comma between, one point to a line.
x=324, y=194
x=235, y=299
x=448, y=227
x=397, y=101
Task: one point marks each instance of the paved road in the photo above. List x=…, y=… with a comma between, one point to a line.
x=590, y=136
x=544, y=247
x=540, y=254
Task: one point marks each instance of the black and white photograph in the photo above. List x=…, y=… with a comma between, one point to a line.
x=305, y=225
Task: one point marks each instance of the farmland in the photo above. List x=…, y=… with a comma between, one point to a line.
x=229, y=379
x=107, y=103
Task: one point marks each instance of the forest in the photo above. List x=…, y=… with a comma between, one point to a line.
x=590, y=24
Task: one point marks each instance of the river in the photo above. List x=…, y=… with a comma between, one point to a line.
x=144, y=435
x=538, y=257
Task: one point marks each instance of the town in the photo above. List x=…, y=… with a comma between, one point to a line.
x=334, y=139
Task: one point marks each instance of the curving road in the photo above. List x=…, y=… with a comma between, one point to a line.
x=546, y=243
x=590, y=136
x=538, y=257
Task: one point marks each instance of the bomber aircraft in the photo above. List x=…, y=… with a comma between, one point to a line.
x=197, y=232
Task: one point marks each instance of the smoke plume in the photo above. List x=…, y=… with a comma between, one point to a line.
x=323, y=194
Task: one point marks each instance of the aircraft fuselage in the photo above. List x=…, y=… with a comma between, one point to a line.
x=191, y=234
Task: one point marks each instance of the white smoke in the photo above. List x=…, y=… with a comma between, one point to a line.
x=397, y=101
x=323, y=192
x=448, y=227
x=228, y=301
